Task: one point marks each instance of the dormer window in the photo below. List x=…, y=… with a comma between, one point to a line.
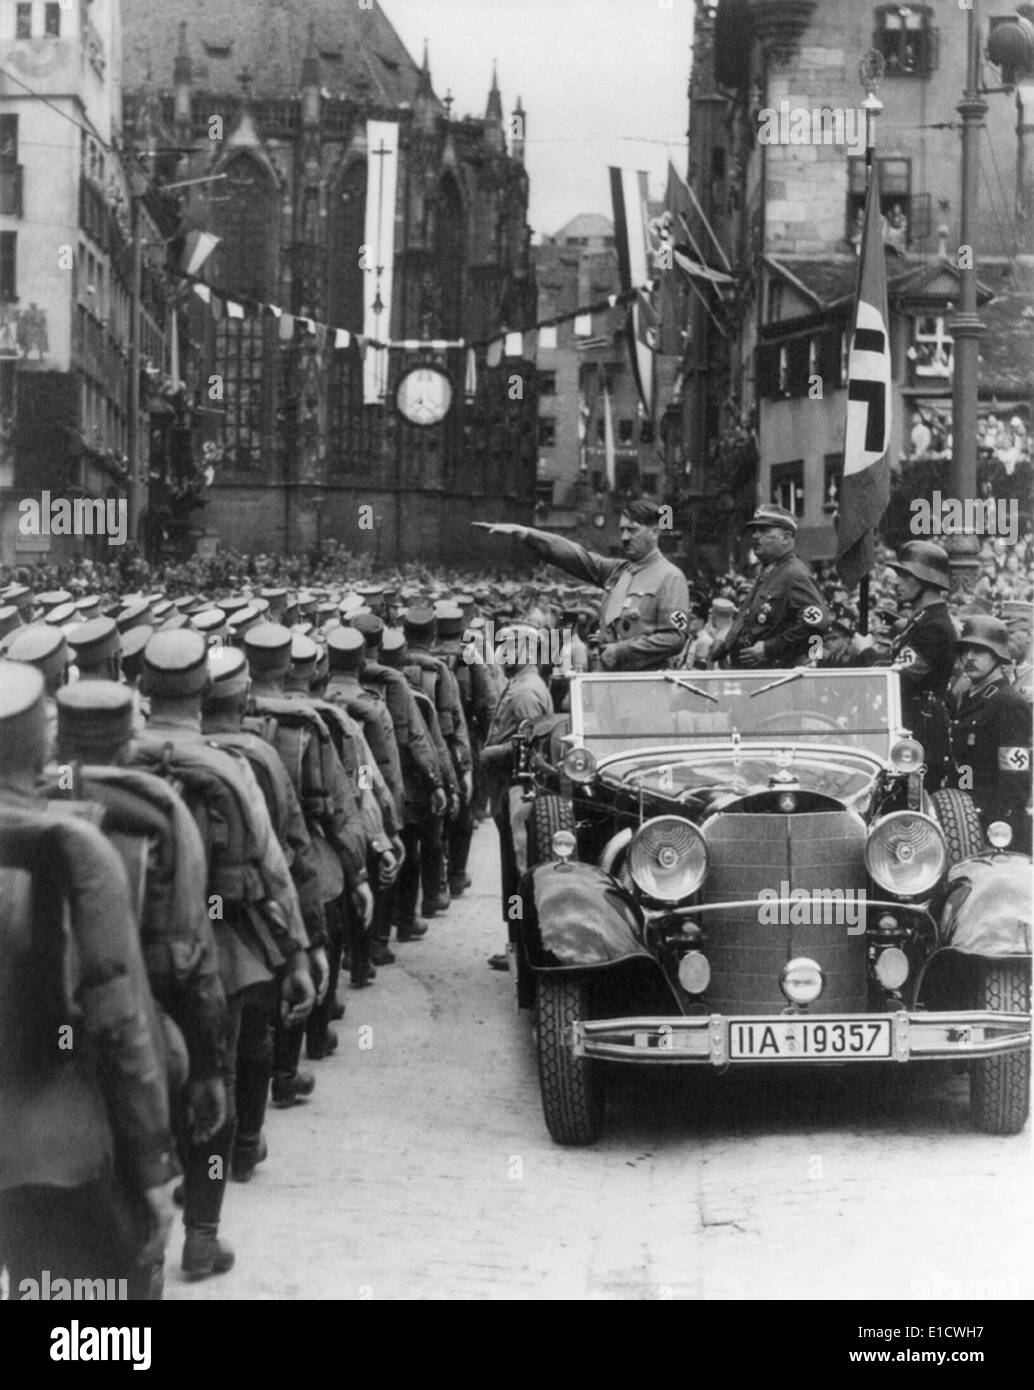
x=906, y=39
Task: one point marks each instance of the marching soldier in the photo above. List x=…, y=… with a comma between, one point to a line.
x=85, y=1148
x=643, y=617
x=784, y=611
x=1017, y=615
x=991, y=731
x=259, y=931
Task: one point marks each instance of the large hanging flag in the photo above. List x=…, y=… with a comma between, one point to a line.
x=382, y=145
x=628, y=191
x=865, y=490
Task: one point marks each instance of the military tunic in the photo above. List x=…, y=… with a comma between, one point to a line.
x=784, y=611
x=991, y=737
x=643, y=617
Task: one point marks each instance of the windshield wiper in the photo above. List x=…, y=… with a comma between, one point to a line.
x=794, y=675
x=676, y=679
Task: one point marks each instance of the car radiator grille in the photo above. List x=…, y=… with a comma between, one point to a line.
x=751, y=853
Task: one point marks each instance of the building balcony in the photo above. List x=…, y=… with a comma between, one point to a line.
x=11, y=190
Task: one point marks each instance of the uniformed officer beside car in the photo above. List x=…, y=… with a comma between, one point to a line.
x=991, y=731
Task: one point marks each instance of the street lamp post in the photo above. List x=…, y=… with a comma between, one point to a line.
x=966, y=326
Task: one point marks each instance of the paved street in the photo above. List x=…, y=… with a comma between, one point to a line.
x=421, y=1168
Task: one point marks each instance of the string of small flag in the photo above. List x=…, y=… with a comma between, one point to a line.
x=504, y=343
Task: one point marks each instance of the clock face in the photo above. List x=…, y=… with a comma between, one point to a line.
x=424, y=396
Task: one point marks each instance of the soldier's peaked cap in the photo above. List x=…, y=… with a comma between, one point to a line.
x=769, y=514
x=42, y=646
x=986, y=632
x=344, y=643
x=175, y=664
x=419, y=620
x=227, y=671
x=9, y=619
x=95, y=641
x=94, y=714
x=268, y=647
x=133, y=644
x=23, y=719
x=370, y=626
x=394, y=640
x=451, y=621
x=304, y=651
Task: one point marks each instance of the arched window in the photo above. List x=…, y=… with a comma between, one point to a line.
x=248, y=223
x=347, y=216
x=449, y=257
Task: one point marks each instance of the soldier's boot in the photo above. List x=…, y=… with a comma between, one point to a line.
x=248, y=1152
x=204, y=1253
x=291, y=1088
x=411, y=931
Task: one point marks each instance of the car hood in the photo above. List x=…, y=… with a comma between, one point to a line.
x=725, y=772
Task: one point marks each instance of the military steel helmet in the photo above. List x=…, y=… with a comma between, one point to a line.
x=986, y=632
x=924, y=561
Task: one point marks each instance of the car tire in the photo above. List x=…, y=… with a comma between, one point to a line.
x=548, y=815
x=958, y=819
x=999, y=1087
x=572, y=1087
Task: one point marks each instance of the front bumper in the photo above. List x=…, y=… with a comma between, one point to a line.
x=915, y=1037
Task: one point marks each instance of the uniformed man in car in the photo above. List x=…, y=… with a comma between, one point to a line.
x=784, y=612
x=644, y=615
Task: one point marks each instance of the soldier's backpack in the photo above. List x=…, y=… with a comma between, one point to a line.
x=158, y=842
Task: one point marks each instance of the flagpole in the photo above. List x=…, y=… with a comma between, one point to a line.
x=872, y=107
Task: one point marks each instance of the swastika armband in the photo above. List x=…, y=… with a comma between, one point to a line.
x=679, y=621
x=812, y=614
x=1014, y=760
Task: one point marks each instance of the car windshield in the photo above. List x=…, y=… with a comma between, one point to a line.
x=614, y=713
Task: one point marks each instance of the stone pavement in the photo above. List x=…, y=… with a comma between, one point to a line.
x=421, y=1167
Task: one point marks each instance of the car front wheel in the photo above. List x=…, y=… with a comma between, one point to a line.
x=572, y=1087
x=999, y=1087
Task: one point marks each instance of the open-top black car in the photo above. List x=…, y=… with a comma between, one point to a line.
x=732, y=868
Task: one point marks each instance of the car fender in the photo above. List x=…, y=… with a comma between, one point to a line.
x=987, y=908
x=575, y=915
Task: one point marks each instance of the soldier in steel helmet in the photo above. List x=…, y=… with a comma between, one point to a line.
x=923, y=651
x=991, y=730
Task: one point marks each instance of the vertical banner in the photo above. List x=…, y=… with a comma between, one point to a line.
x=865, y=488
x=610, y=454
x=629, y=195
x=382, y=145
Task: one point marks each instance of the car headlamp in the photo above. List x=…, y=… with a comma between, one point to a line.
x=694, y=972
x=906, y=853
x=891, y=967
x=668, y=859
x=999, y=834
x=802, y=980
x=580, y=765
x=907, y=755
x=564, y=844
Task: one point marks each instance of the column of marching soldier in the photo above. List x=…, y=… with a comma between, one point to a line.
x=224, y=807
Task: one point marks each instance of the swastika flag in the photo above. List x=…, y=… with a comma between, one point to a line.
x=865, y=489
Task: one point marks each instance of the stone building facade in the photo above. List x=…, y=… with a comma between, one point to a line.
x=262, y=110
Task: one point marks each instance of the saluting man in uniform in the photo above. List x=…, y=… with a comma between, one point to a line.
x=644, y=616
x=991, y=730
x=784, y=610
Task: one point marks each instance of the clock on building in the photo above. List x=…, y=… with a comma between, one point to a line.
x=424, y=395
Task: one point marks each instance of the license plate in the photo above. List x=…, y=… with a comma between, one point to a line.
x=785, y=1039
